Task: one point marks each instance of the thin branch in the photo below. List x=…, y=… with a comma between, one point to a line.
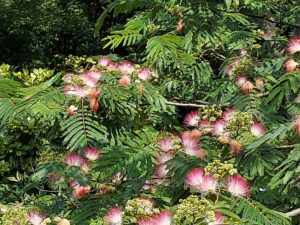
x=293, y=213
x=186, y=104
x=286, y=146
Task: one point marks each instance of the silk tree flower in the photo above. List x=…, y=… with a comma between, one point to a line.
x=267, y=36
x=76, y=90
x=36, y=217
x=191, y=119
x=240, y=80
x=219, y=219
x=257, y=129
x=94, y=103
x=259, y=83
x=163, y=218
x=73, y=159
x=124, y=81
x=68, y=78
x=145, y=74
x=191, y=146
x=164, y=157
x=205, y=126
x=71, y=110
x=247, y=87
x=297, y=125
x=104, y=61
x=161, y=171
x=228, y=114
x=74, y=184
x=224, y=138
x=89, y=80
x=238, y=186
x=235, y=146
x=85, y=166
x=95, y=73
x=63, y=222
x=166, y=144
x=293, y=45
x=114, y=216
x=290, y=65
x=146, y=221
x=126, y=67
x=113, y=66
x=81, y=191
x=92, y=153
x=198, y=181
x=230, y=68
x=218, y=127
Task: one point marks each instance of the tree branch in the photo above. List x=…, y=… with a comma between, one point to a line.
x=286, y=146
x=186, y=104
x=293, y=213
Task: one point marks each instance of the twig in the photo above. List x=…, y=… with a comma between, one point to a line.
x=293, y=213
x=186, y=104
x=286, y=146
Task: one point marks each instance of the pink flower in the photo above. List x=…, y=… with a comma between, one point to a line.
x=161, y=171
x=294, y=45
x=235, y=146
x=259, y=83
x=191, y=119
x=114, y=216
x=36, y=217
x=146, y=221
x=240, y=80
x=268, y=35
x=95, y=73
x=166, y=144
x=85, y=166
x=63, y=222
x=71, y=110
x=145, y=74
x=163, y=218
x=126, y=67
x=218, y=219
x=164, y=157
x=94, y=104
x=229, y=69
x=198, y=181
x=89, y=80
x=191, y=146
x=92, y=153
x=205, y=126
x=73, y=159
x=238, y=186
x=74, y=184
x=218, y=127
x=113, y=66
x=228, y=114
x=124, y=81
x=247, y=87
x=81, y=191
x=76, y=90
x=68, y=78
x=297, y=125
x=104, y=61
x=257, y=129
x=290, y=65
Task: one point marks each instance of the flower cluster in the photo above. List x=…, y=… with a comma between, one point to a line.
x=86, y=83
x=292, y=48
x=215, y=175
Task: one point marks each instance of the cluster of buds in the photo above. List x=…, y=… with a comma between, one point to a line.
x=220, y=170
x=292, y=48
x=226, y=128
x=194, y=210
x=214, y=176
x=13, y=214
x=86, y=83
x=211, y=113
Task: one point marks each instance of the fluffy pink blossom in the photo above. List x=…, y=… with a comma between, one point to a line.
x=145, y=74
x=297, y=125
x=163, y=218
x=218, y=219
x=76, y=90
x=114, y=216
x=166, y=144
x=257, y=129
x=198, y=181
x=240, y=80
x=238, y=186
x=85, y=166
x=89, y=80
x=73, y=159
x=205, y=125
x=228, y=114
x=191, y=146
x=104, y=61
x=161, y=171
x=247, y=87
x=191, y=119
x=95, y=73
x=36, y=217
x=113, y=66
x=126, y=67
x=92, y=153
x=146, y=221
x=124, y=81
x=294, y=45
x=259, y=83
x=71, y=110
x=74, y=184
x=81, y=191
x=290, y=65
x=235, y=146
x=218, y=127
x=164, y=157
